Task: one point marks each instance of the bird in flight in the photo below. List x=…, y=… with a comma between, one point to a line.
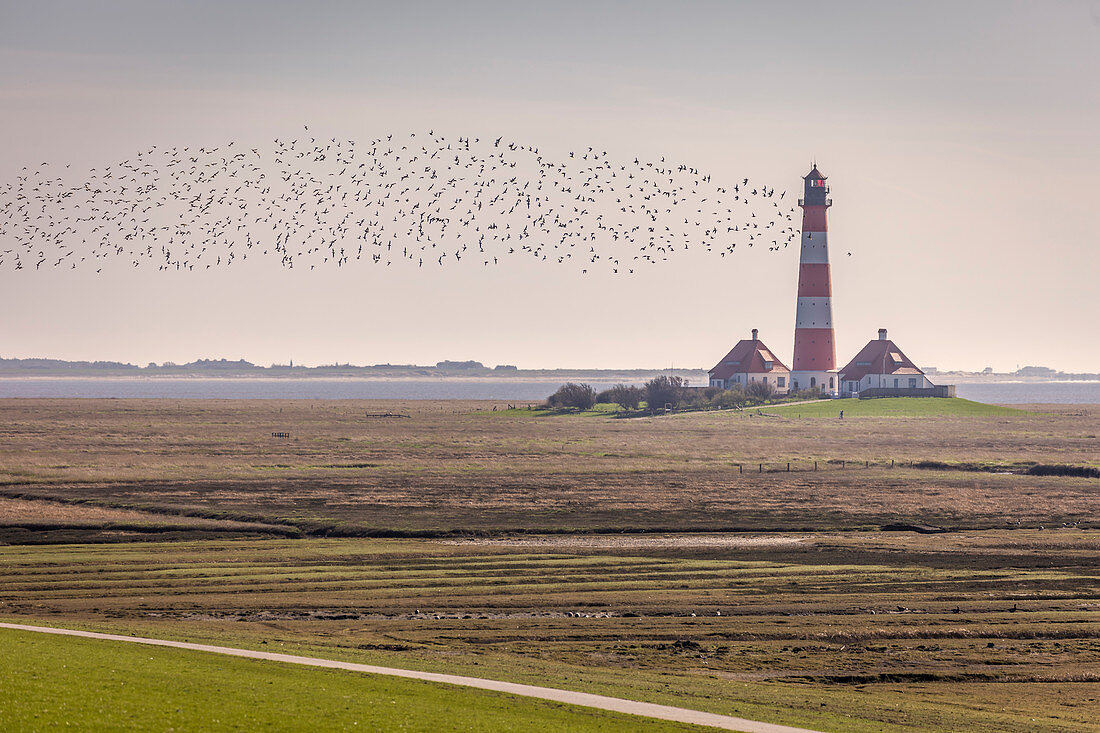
x=319, y=201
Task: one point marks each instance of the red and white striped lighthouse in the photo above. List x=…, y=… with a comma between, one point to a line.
x=814, y=364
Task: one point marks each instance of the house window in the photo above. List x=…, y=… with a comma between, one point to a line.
x=764, y=379
x=830, y=382
x=781, y=381
x=912, y=382
x=895, y=382
x=813, y=382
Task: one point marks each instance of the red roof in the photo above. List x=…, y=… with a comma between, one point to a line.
x=880, y=356
x=748, y=356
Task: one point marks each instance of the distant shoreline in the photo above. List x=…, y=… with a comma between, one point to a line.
x=695, y=377
x=954, y=378
x=487, y=378
x=515, y=389
x=447, y=370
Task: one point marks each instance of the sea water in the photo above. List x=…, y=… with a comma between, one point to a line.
x=517, y=390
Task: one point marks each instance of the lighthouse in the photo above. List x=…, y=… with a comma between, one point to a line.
x=814, y=365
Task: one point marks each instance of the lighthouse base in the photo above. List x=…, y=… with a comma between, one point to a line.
x=827, y=382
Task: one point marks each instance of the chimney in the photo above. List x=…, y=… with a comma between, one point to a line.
x=754, y=332
x=882, y=334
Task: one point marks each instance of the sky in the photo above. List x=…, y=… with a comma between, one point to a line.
x=960, y=141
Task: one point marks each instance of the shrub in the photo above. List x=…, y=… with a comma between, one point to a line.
x=570, y=394
x=662, y=390
x=727, y=398
x=711, y=392
x=804, y=394
x=759, y=392
x=628, y=397
x=696, y=401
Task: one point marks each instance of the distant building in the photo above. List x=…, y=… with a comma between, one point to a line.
x=751, y=361
x=880, y=369
x=881, y=365
x=459, y=365
x=1036, y=371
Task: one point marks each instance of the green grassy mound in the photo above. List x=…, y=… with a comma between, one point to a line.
x=88, y=684
x=894, y=407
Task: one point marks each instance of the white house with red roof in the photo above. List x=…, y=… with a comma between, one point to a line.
x=751, y=361
x=881, y=364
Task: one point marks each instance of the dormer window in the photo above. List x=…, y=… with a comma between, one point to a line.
x=768, y=365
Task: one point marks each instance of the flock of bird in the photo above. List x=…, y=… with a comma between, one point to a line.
x=420, y=200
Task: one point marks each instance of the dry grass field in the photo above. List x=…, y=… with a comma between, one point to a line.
x=653, y=558
x=462, y=468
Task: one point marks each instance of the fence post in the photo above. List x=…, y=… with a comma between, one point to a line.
x=740, y=468
x=891, y=463
x=761, y=468
x=815, y=465
x=788, y=466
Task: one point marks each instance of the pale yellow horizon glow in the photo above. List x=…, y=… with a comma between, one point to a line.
x=959, y=140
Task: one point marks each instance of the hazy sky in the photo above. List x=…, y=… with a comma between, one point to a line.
x=960, y=140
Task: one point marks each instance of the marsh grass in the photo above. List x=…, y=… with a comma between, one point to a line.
x=903, y=631
x=837, y=627
x=918, y=407
x=460, y=469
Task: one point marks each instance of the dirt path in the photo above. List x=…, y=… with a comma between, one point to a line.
x=584, y=699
